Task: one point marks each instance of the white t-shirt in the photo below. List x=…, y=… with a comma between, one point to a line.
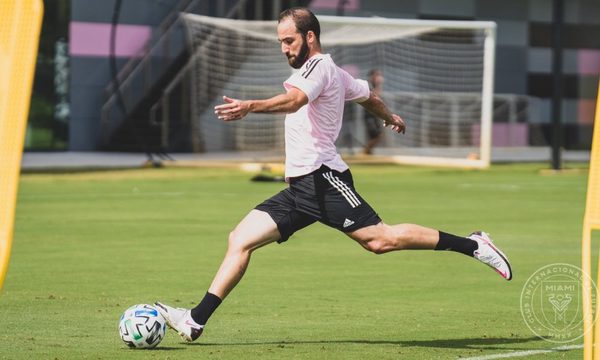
x=310, y=132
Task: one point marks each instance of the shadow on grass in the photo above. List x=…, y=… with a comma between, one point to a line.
x=470, y=343
x=158, y=348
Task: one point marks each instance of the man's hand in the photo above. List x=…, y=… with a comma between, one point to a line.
x=233, y=109
x=397, y=124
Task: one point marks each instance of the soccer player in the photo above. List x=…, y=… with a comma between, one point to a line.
x=372, y=122
x=321, y=187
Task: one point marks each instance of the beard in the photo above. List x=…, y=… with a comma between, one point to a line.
x=297, y=61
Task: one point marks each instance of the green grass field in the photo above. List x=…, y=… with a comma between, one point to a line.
x=89, y=245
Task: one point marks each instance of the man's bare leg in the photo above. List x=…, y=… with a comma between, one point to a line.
x=382, y=238
x=257, y=229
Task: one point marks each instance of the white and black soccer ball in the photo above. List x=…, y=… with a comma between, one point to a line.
x=142, y=326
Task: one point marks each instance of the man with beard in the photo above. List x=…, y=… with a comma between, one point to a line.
x=321, y=187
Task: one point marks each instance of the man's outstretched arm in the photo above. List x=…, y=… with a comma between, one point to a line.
x=234, y=109
x=377, y=107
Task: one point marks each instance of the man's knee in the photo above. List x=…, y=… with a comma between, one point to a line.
x=381, y=239
x=237, y=241
x=377, y=247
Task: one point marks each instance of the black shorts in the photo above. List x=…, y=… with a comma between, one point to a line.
x=325, y=195
x=373, y=125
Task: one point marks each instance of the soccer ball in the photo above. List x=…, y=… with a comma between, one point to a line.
x=142, y=326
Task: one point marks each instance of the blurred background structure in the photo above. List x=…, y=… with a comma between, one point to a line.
x=74, y=106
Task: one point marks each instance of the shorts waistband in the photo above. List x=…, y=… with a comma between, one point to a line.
x=321, y=169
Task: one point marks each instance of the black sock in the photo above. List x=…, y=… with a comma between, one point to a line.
x=456, y=243
x=204, y=310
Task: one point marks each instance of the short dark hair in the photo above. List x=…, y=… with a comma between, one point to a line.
x=374, y=71
x=304, y=19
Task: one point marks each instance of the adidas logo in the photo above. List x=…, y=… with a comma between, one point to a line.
x=348, y=222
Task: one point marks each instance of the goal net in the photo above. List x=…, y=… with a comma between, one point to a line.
x=438, y=78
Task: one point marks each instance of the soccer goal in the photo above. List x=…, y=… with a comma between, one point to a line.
x=438, y=78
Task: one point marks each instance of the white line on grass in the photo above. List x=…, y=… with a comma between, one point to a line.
x=525, y=353
x=103, y=195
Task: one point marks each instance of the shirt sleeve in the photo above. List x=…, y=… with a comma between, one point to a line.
x=310, y=79
x=357, y=90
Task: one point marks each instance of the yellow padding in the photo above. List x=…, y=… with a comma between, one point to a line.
x=591, y=221
x=20, y=24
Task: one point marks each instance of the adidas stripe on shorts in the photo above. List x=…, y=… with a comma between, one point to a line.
x=325, y=195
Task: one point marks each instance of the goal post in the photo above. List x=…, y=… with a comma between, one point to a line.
x=438, y=78
x=20, y=24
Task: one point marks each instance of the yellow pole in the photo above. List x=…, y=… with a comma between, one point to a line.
x=591, y=221
x=19, y=36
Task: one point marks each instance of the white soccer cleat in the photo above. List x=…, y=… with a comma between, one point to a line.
x=181, y=321
x=490, y=255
